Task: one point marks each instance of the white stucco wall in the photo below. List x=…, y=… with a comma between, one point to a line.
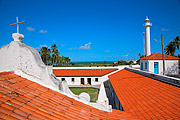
x=171, y=66
x=26, y=61
x=144, y=62
x=77, y=80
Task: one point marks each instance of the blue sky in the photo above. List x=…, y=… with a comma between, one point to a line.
x=91, y=30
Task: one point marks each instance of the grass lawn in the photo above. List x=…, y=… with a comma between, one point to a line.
x=91, y=91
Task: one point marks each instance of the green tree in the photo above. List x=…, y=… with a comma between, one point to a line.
x=141, y=56
x=67, y=59
x=138, y=62
x=59, y=60
x=62, y=59
x=45, y=54
x=170, y=49
x=72, y=63
x=131, y=62
x=121, y=62
x=176, y=41
x=55, y=54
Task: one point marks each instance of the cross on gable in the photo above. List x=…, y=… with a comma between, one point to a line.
x=17, y=23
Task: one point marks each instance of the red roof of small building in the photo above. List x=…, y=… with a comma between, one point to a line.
x=23, y=99
x=158, y=56
x=82, y=72
x=144, y=97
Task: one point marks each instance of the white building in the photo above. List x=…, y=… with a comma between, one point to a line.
x=154, y=63
x=79, y=77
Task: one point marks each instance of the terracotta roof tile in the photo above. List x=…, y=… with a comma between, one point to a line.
x=8, y=106
x=158, y=56
x=6, y=117
x=144, y=97
x=2, y=115
x=30, y=100
x=32, y=117
x=5, y=111
x=22, y=113
x=18, y=116
x=81, y=72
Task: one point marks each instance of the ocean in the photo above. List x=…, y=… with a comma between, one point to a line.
x=93, y=62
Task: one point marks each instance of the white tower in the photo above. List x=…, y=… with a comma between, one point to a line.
x=147, y=25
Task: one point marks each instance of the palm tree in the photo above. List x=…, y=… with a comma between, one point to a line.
x=59, y=61
x=176, y=41
x=55, y=53
x=67, y=59
x=62, y=59
x=170, y=49
x=45, y=54
x=48, y=56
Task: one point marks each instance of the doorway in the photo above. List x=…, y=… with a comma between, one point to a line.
x=156, y=68
x=89, y=81
x=82, y=81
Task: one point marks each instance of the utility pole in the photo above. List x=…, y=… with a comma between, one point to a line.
x=163, y=54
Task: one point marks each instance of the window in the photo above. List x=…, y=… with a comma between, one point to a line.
x=62, y=79
x=146, y=65
x=96, y=79
x=72, y=79
x=82, y=81
x=141, y=65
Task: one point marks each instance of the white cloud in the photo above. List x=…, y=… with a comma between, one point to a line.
x=164, y=29
x=72, y=48
x=30, y=29
x=107, y=51
x=43, y=31
x=86, y=46
x=62, y=44
x=40, y=46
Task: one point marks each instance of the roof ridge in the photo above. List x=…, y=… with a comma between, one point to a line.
x=6, y=73
x=158, y=56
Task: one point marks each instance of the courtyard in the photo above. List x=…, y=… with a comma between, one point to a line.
x=93, y=92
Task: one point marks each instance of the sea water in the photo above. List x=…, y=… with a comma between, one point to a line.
x=92, y=62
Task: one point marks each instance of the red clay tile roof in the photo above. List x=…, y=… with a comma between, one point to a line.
x=82, y=72
x=23, y=99
x=146, y=98
x=158, y=56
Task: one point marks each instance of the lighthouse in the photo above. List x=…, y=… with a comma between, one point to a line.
x=147, y=26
